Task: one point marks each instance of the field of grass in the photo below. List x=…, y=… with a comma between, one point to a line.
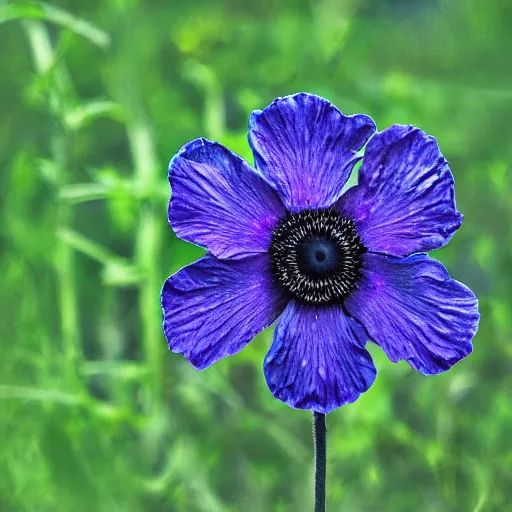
x=95, y=98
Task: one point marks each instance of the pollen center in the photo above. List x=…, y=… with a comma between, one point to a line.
x=316, y=256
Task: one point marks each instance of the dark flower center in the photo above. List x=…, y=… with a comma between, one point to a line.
x=316, y=256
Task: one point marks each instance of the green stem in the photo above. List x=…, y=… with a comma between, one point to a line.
x=44, y=60
x=148, y=246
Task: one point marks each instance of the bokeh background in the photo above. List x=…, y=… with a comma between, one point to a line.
x=95, y=98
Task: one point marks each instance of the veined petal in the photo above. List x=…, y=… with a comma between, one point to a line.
x=317, y=360
x=414, y=311
x=405, y=200
x=213, y=308
x=219, y=202
x=306, y=148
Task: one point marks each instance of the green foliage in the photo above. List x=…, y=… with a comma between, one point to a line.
x=96, y=97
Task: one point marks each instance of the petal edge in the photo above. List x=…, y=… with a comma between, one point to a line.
x=213, y=308
x=317, y=360
x=414, y=311
x=306, y=148
x=405, y=198
x=219, y=202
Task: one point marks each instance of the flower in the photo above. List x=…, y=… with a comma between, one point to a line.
x=336, y=268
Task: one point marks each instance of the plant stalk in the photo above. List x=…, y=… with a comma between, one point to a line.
x=320, y=442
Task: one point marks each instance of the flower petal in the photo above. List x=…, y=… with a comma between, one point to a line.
x=213, y=308
x=318, y=360
x=405, y=200
x=306, y=148
x=219, y=202
x=414, y=311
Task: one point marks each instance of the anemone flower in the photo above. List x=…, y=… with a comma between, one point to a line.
x=334, y=268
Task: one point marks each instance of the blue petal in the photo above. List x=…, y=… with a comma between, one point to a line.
x=213, y=308
x=413, y=310
x=219, y=202
x=318, y=360
x=405, y=200
x=306, y=148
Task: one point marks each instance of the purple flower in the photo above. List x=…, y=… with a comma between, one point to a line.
x=337, y=268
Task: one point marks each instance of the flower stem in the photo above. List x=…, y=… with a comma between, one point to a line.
x=319, y=437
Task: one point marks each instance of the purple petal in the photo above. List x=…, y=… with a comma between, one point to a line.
x=318, y=360
x=219, y=202
x=213, y=308
x=405, y=200
x=413, y=310
x=306, y=148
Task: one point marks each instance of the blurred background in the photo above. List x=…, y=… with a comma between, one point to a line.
x=95, y=98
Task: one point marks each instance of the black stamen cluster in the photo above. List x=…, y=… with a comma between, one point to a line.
x=317, y=256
